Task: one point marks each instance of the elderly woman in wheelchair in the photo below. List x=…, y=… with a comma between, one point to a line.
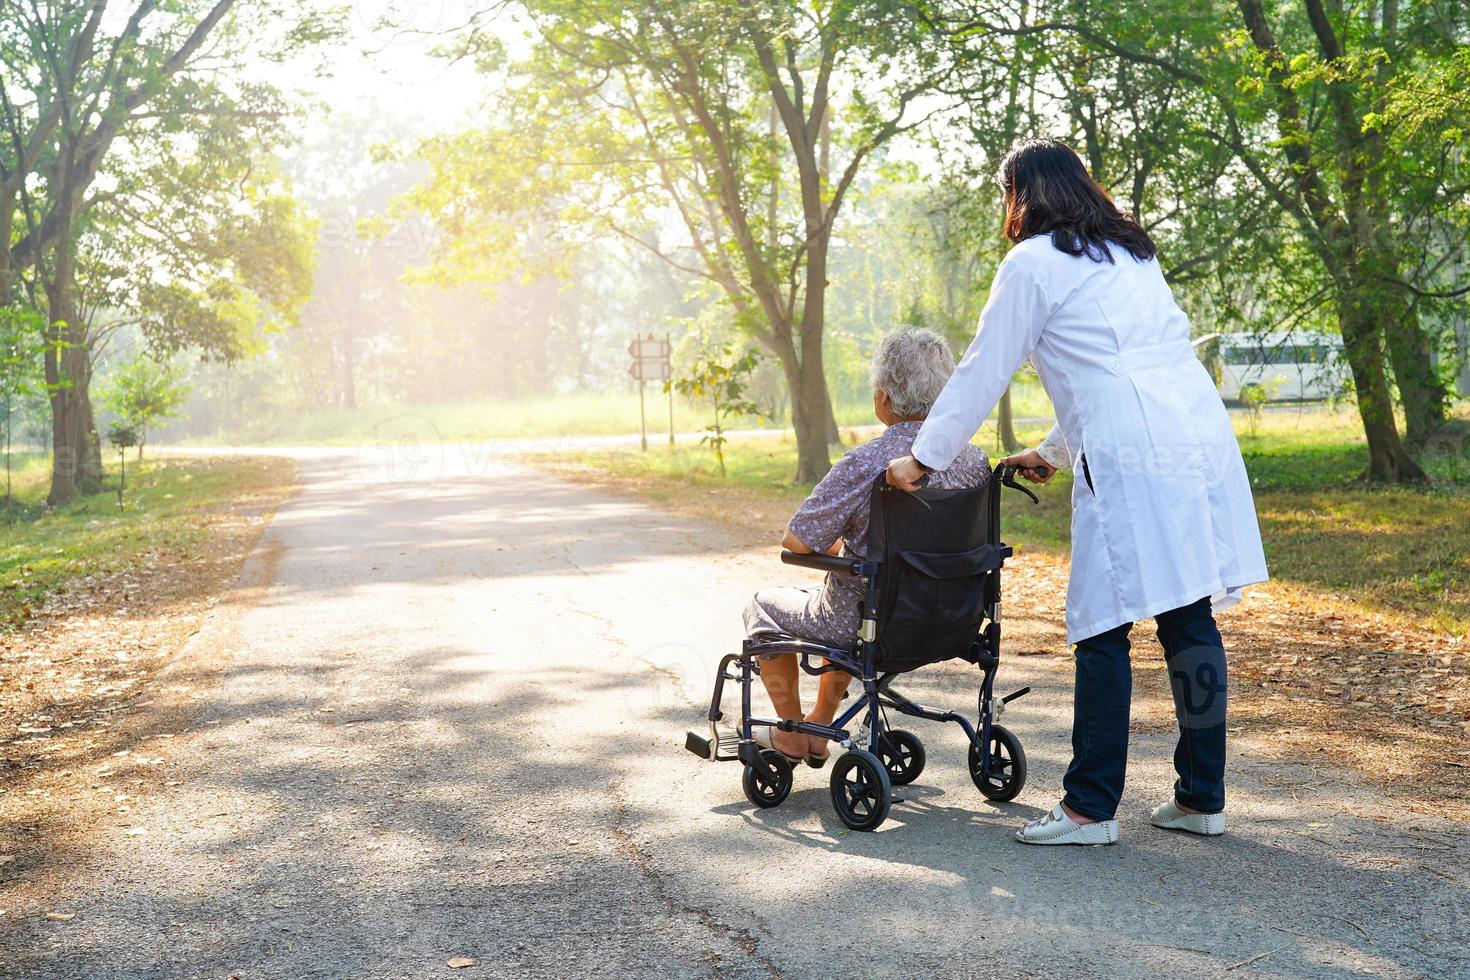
x=911, y=579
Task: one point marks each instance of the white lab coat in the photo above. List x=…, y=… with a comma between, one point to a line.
x=1168, y=518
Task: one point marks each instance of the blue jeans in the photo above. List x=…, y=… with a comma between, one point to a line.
x=1196, y=662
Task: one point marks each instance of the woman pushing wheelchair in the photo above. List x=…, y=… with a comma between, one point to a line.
x=1163, y=523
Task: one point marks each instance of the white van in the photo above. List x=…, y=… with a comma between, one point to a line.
x=1295, y=365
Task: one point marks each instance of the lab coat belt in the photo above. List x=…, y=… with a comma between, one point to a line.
x=1152, y=356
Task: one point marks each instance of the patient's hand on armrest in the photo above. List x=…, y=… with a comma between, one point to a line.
x=792, y=543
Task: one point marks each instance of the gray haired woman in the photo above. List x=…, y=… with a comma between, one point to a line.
x=908, y=372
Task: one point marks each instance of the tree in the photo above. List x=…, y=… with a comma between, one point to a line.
x=142, y=394
x=122, y=438
x=1298, y=97
x=90, y=77
x=85, y=87
x=745, y=125
x=723, y=379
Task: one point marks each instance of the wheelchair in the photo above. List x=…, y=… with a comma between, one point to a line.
x=931, y=594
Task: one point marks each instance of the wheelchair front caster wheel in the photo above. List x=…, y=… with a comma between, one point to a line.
x=902, y=754
x=1007, y=774
x=770, y=783
x=861, y=790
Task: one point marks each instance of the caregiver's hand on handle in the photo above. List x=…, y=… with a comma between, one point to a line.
x=1031, y=466
x=905, y=473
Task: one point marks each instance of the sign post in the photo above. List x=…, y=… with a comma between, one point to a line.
x=651, y=363
x=642, y=417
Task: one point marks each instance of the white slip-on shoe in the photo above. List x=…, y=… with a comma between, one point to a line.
x=1058, y=828
x=1170, y=817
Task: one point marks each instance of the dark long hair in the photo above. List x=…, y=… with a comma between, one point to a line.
x=1048, y=190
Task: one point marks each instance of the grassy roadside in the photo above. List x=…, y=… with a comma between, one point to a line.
x=97, y=673
x=43, y=551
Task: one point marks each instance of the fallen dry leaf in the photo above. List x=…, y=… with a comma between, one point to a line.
x=455, y=962
x=60, y=916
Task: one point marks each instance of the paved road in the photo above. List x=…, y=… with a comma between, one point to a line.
x=452, y=726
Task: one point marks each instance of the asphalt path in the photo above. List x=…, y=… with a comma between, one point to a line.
x=451, y=724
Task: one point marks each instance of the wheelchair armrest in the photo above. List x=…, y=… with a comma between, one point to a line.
x=824, y=563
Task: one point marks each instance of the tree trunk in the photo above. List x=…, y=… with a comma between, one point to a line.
x=63, y=465
x=90, y=449
x=812, y=458
x=1421, y=389
x=809, y=407
x=1388, y=460
x=76, y=463
x=1006, y=424
x=824, y=167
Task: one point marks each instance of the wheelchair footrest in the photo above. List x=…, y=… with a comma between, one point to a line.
x=725, y=748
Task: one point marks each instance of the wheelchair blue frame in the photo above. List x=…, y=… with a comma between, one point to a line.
x=877, y=691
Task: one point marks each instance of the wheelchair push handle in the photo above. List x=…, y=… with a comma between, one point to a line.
x=1007, y=475
x=824, y=563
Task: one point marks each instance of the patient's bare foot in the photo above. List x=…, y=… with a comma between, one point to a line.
x=1185, y=809
x=816, y=745
x=789, y=743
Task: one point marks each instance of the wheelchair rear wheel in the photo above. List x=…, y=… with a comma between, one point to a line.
x=1007, y=766
x=902, y=754
x=770, y=783
x=861, y=790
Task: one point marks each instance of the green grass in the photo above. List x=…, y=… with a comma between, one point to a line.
x=529, y=418
x=543, y=417
x=1393, y=548
x=43, y=549
x=1311, y=447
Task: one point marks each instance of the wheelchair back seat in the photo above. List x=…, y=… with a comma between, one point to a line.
x=941, y=554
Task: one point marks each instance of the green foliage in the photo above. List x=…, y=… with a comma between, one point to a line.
x=21, y=378
x=20, y=354
x=141, y=394
x=122, y=436
x=1435, y=92
x=1254, y=397
x=723, y=379
x=1296, y=171
x=204, y=248
x=136, y=189
x=743, y=126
